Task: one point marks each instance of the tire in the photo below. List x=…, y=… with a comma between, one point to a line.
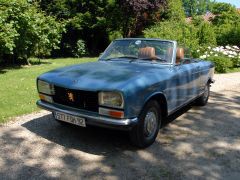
x=145, y=132
x=203, y=99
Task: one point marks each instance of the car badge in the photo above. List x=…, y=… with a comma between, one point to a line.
x=70, y=96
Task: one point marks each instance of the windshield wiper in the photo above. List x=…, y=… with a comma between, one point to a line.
x=128, y=57
x=123, y=57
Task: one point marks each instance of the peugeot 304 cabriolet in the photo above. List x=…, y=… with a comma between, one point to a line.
x=135, y=84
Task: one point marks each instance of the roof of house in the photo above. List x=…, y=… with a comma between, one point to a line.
x=207, y=17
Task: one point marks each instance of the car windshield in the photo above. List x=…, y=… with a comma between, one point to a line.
x=138, y=49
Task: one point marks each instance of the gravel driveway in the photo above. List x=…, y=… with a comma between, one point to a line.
x=195, y=143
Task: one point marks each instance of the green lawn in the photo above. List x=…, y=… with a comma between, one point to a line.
x=18, y=92
x=233, y=70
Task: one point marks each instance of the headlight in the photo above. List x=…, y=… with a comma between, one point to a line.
x=45, y=87
x=111, y=99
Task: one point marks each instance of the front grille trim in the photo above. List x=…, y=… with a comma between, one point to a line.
x=86, y=100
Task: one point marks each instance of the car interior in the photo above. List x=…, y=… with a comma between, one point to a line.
x=150, y=53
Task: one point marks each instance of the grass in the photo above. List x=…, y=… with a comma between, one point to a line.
x=18, y=93
x=233, y=70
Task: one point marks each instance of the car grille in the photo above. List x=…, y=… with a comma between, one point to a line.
x=86, y=100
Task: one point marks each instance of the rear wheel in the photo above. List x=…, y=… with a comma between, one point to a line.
x=145, y=132
x=203, y=99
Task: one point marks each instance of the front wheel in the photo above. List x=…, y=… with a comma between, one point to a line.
x=145, y=132
x=203, y=99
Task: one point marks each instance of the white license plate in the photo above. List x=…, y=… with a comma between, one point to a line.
x=70, y=119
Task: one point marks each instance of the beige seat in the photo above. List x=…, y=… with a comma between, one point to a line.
x=147, y=53
x=180, y=55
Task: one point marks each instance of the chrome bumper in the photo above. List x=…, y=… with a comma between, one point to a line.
x=91, y=118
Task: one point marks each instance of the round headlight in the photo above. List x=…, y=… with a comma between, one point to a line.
x=111, y=99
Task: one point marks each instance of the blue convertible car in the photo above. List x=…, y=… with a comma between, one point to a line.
x=133, y=86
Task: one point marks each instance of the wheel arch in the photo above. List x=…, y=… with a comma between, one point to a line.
x=161, y=100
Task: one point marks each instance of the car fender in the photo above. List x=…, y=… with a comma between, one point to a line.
x=157, y=95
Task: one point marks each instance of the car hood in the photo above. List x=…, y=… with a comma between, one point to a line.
x=104, y=75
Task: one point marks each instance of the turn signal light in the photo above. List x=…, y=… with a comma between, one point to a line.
x=46, y=98
x=111, y=112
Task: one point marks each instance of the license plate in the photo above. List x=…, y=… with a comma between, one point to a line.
x=70, y=119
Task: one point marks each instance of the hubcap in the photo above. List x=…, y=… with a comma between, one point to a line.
x=150, y=124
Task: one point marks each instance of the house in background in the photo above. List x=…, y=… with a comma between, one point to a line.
x=207, y=17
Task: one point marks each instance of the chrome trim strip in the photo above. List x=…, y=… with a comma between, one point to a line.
x=90, y=118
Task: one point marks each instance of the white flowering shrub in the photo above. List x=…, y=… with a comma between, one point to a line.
x=80, y=49
x=228, y=56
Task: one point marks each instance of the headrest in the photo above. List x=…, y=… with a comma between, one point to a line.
x=147, y=53
x=180, y=55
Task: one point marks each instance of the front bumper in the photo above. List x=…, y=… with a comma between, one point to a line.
x=91, y=118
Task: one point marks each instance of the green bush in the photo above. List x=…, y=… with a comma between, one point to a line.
x=222, y=64
x=80, y=49
x=26, y=31
x=185, y=34
x=206, y=34
x=114, y=35
x=226, y=23
x=236, y=62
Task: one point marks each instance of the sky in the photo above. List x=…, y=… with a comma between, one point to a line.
x=234, y=2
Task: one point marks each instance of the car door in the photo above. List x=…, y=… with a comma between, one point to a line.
x=185, y=83
x=197, y=76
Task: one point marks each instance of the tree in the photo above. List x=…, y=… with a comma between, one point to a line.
x=206, y=34
x=136, y=14
x=174, y=11
x=185, y=34
x=226, y=24
x=196, y=7
x=226, y=13
x=25, y=31
x=174, y=27
x=87, y=20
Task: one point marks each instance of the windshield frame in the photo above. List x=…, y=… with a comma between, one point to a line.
x=145, y=39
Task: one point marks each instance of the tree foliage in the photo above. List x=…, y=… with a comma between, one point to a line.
x=196, y=7
x=25, y=31
x=206, y=35
x=86, y=20
x=174, y=27
x=184, y=34
x=227, y=24
x=174, y=11
x=36, y=27
x=135, y=14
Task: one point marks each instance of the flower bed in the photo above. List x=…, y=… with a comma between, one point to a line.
x=224, y=57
